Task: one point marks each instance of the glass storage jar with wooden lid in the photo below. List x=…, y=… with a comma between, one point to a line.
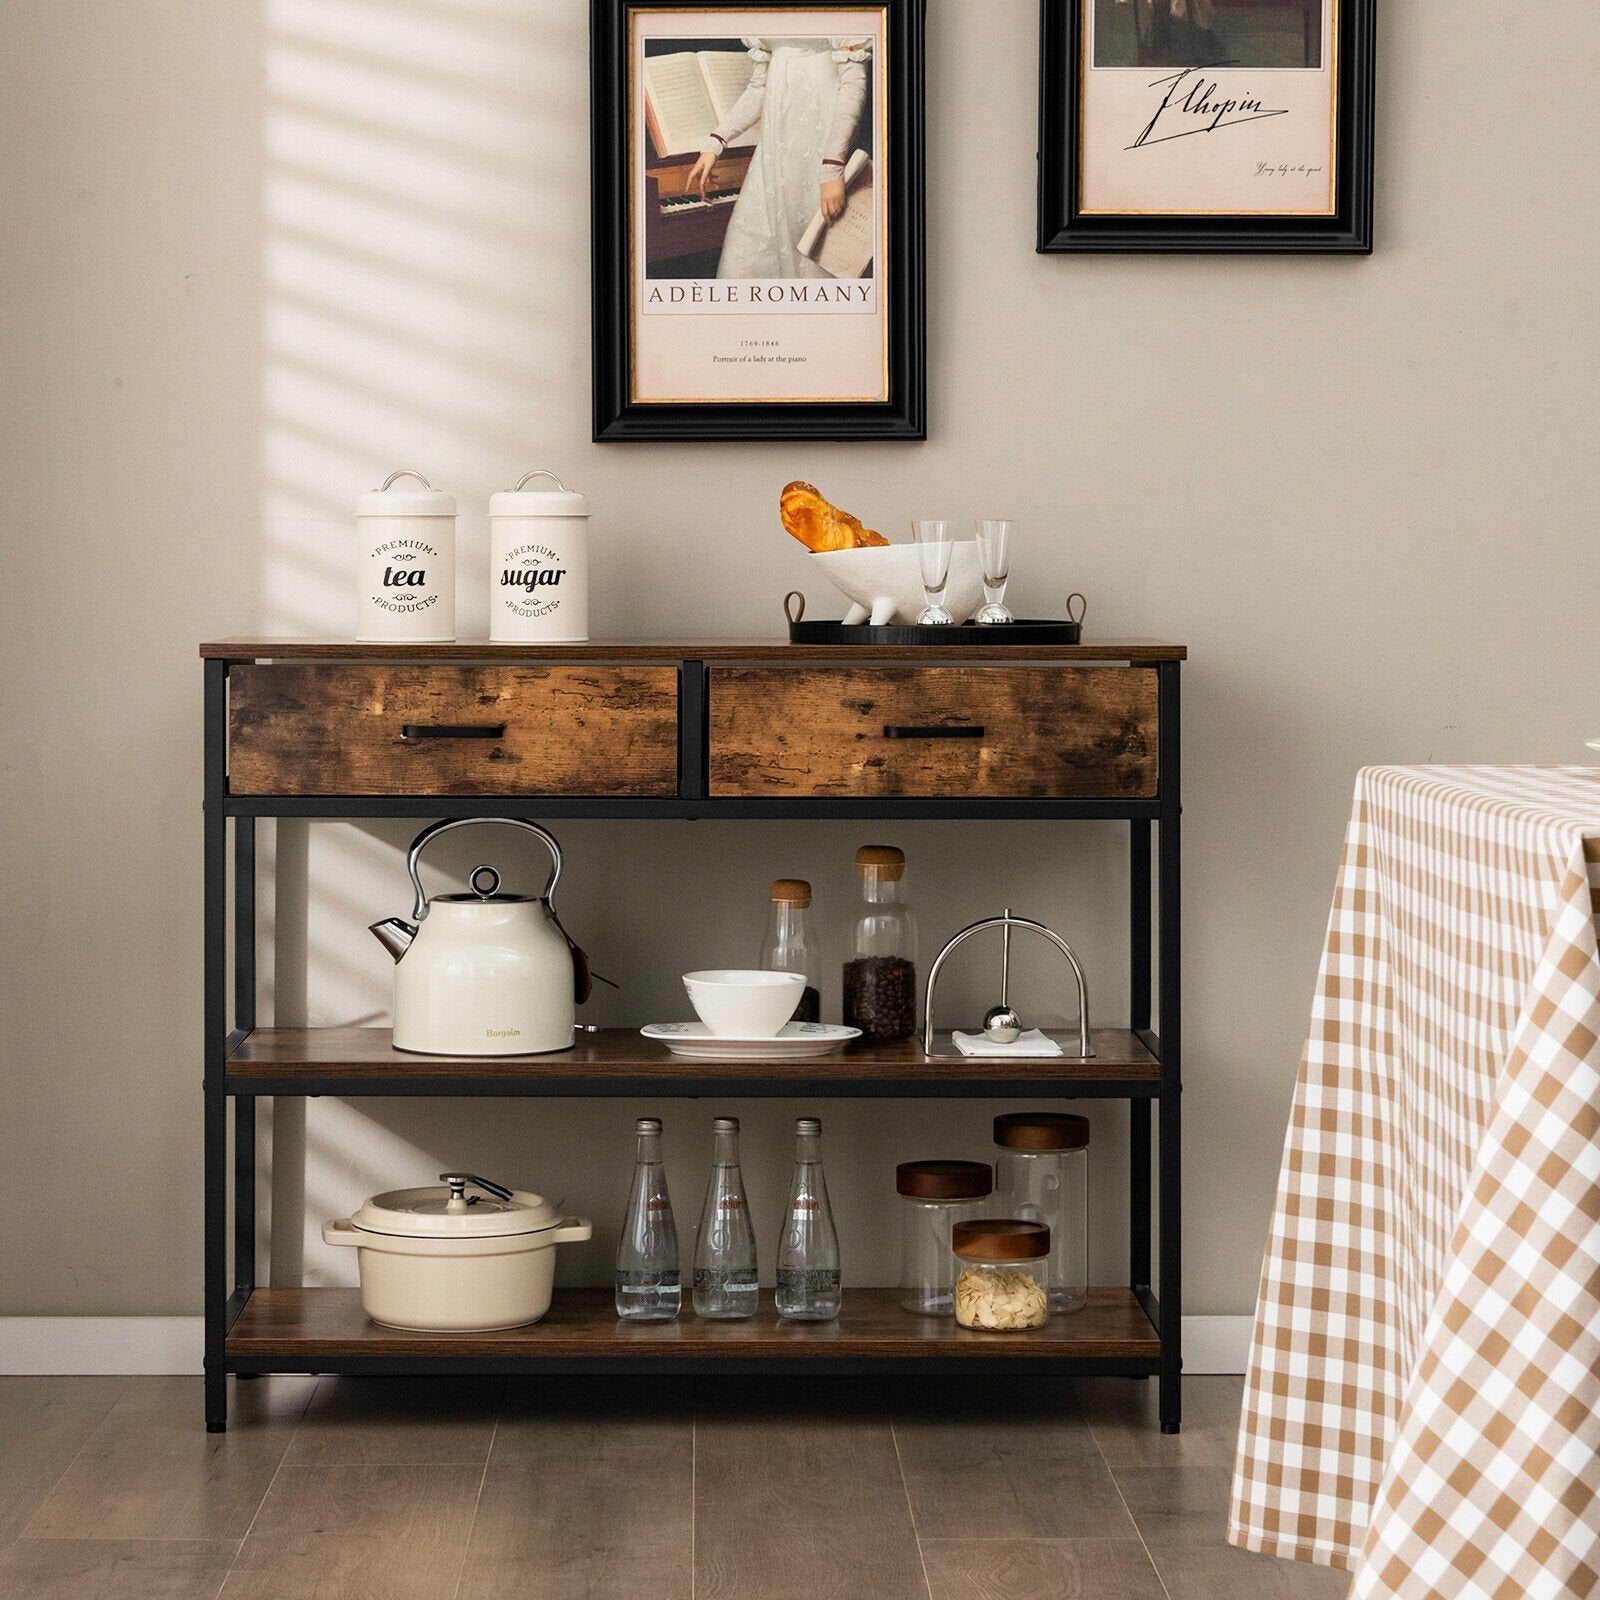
x=1042, y=1175
x=1000, y=1268
x=934, y=1196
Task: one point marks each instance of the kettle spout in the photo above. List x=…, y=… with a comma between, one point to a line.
x=394, y=935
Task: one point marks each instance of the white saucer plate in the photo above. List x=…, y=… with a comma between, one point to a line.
x=796, y=1041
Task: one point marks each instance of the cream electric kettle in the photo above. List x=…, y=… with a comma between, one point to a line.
x=483, y=973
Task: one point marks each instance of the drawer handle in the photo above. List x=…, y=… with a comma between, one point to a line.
x=453, y=730
x=955, y=730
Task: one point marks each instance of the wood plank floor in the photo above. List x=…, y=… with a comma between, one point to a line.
x=989, y=1487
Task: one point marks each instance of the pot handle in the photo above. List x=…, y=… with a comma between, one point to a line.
x=343, y=1231
x=572, y=1230
x=419, y=908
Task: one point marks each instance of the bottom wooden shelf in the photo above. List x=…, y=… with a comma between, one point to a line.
x=304, y=1325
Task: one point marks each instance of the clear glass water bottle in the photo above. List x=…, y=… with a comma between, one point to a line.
x=649, y=1284
x=725, y=1285
x=1041, y=1175
x=880, y=978
x=789, y=947
x=808, y=1285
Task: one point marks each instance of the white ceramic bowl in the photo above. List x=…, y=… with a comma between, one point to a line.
x=744, y=1005
x=884, y=581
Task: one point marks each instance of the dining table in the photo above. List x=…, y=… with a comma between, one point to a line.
x=1422, y=1403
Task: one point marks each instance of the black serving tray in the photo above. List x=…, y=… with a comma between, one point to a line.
x=960, y=636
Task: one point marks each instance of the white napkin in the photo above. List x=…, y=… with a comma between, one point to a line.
x=1031, y=1043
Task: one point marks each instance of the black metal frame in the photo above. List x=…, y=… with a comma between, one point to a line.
x=230, y=1153
x=1063, y=227
x=617, y=416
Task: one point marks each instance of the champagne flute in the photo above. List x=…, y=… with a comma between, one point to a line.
x=934, y=540
x=994, y=551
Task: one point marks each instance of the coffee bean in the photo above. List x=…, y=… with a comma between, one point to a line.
x=880, y=997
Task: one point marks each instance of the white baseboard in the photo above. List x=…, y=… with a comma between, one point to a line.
x=158, y=1345
x=134, y=1345
x=1216, y=1344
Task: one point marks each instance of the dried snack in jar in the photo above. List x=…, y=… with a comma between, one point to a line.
x=1000, y=1299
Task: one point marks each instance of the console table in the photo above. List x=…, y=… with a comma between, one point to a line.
x=332, y=730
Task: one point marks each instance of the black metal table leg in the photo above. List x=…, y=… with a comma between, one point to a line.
x=1170, y=1132
x=1139, y=971
x=215, y=880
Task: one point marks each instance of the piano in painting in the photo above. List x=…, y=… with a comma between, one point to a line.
x=677, y=222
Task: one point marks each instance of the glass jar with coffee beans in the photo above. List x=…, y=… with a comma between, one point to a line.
x=789, y=946
x=880, y=978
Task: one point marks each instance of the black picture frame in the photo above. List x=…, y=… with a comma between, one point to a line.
x=620, y=418
x=1064, y=229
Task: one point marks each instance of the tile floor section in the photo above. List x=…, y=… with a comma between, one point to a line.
x=623, y=1489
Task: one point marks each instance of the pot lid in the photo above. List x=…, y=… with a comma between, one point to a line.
x=391, y=502
x=521, y=502
x=459, y=1206
x=485, y=883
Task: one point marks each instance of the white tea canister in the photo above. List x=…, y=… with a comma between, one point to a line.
x=407, y=563
x=539, y=564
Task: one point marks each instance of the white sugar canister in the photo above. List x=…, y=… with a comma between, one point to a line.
x=406, y=581
x=539, y=564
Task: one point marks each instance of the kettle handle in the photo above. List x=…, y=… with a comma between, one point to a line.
x=419, y=908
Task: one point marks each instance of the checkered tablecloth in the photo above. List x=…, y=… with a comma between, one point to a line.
x=1423, y=1402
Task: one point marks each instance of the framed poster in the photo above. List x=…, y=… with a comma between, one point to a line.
x=758, y=235
x=1206, y=125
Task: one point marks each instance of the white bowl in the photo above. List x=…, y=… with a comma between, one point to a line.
x=885, y=582
x=744, y=1005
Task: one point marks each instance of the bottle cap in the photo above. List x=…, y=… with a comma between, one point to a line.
x=807, y=1125
x=944, y=1180
x=647, y=1125
x=1000, y=1239
x=1041, y=1130
x=724, y=1124
x=881, y=861
x=791, y=892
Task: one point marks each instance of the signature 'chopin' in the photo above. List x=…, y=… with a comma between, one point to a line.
x=1189, y=94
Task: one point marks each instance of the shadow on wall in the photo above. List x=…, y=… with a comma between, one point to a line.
x=407, y=275
x=406, y=156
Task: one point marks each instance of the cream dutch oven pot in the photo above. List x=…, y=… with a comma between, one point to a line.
x=440, y=1260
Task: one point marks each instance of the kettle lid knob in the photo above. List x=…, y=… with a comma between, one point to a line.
x=485, y=882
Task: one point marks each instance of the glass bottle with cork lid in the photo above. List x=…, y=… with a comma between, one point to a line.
x=789, y=945
x=880, y=978
x=1042, y=1175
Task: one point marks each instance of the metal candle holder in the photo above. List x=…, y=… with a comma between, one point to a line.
x=1001, y=1019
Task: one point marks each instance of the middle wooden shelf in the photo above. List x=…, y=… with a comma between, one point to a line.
x=618, y=1062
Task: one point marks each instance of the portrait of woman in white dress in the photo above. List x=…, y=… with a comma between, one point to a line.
x=802, y=110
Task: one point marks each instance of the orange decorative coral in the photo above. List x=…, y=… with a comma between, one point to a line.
x=819, y=524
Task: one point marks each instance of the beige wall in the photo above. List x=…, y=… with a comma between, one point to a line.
x=255, y=256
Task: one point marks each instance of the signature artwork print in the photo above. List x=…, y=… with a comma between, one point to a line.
x=761, y=274
x=1206, y=125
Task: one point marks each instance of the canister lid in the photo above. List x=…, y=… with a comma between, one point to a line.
x=425, y=1214
x=944, y=1180
x=420, y=499
x=1000, y=1239
x=881, y=861
x=559, y=501
x=791, y=892
x=1041, y=1130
